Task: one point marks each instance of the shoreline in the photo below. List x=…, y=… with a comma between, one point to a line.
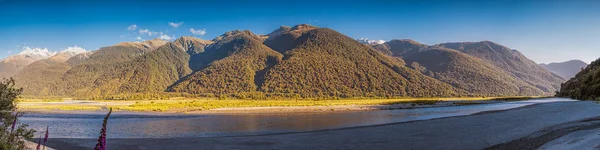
x=273, y=109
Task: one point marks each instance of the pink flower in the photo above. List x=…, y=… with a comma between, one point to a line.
x=39, y=142
x=14, y=123
x=46, y=137
x=101, y=145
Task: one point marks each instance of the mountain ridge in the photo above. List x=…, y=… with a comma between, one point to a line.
x=512, y=61
x=566, y=69
x=302, y=61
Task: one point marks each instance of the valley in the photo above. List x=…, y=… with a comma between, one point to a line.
x=305, y=75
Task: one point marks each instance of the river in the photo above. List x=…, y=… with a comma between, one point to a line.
x=158, y=125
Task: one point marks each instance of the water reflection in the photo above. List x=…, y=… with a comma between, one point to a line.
x=140, y=125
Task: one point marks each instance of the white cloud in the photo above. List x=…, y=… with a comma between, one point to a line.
x=145, y=32
x=367, y=41
x=73, y=50
x=36, y=52
x=9, y=51
x=166, y=37
x=175, y=25
x=377, y=41
x=198, y=32
x=138, y=38
x=132, y=27
x=148, y=32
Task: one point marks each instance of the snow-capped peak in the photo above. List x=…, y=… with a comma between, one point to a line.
x=37, y=52
x=367, y=41
x=73, y=50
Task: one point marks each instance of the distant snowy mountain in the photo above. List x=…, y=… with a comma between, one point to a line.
x=367, y=41
x=12, y=64
x=36, y=52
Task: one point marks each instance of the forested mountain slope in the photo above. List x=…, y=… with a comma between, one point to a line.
x=585, y=85
x=512, y=61
x=303, y=61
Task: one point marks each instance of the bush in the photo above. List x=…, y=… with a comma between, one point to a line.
x=11, y=133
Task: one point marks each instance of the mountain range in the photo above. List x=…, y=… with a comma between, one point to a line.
x=10, y=65
x=302, y=61
x=567, y=69
x=481, y=68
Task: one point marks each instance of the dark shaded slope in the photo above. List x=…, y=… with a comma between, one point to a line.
x=234, y=64
x=404, y=47
x=285, y=38
x=325, y=63
x=157, y=70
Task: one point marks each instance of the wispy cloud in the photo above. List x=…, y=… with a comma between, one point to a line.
x=198, y=32
x=166, y=37
x=145, y=32
x=132, y=27
x=175, y=25
x=74, y=50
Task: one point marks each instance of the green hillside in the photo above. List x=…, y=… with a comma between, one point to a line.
x=103, y=72
x=469, y=73
x=326, y=63
x=42, y=77
x=585, y=85
x=299, y=62
x=512, y=61
x=239, y=60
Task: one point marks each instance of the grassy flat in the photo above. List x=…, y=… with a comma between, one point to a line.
x=186, y=104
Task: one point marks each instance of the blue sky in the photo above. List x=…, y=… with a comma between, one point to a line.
x=544, y=30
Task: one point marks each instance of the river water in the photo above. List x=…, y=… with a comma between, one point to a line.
x=155, y=125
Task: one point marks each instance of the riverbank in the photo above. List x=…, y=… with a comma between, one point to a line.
x=207, y=106
x=478, y=131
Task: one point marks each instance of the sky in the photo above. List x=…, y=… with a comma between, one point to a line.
x=543, y=30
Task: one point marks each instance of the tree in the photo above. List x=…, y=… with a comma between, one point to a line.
x=12, y=135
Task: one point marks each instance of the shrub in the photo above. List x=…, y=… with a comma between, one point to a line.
x=12, y=134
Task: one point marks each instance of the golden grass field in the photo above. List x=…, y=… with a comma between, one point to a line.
x=199, y=104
